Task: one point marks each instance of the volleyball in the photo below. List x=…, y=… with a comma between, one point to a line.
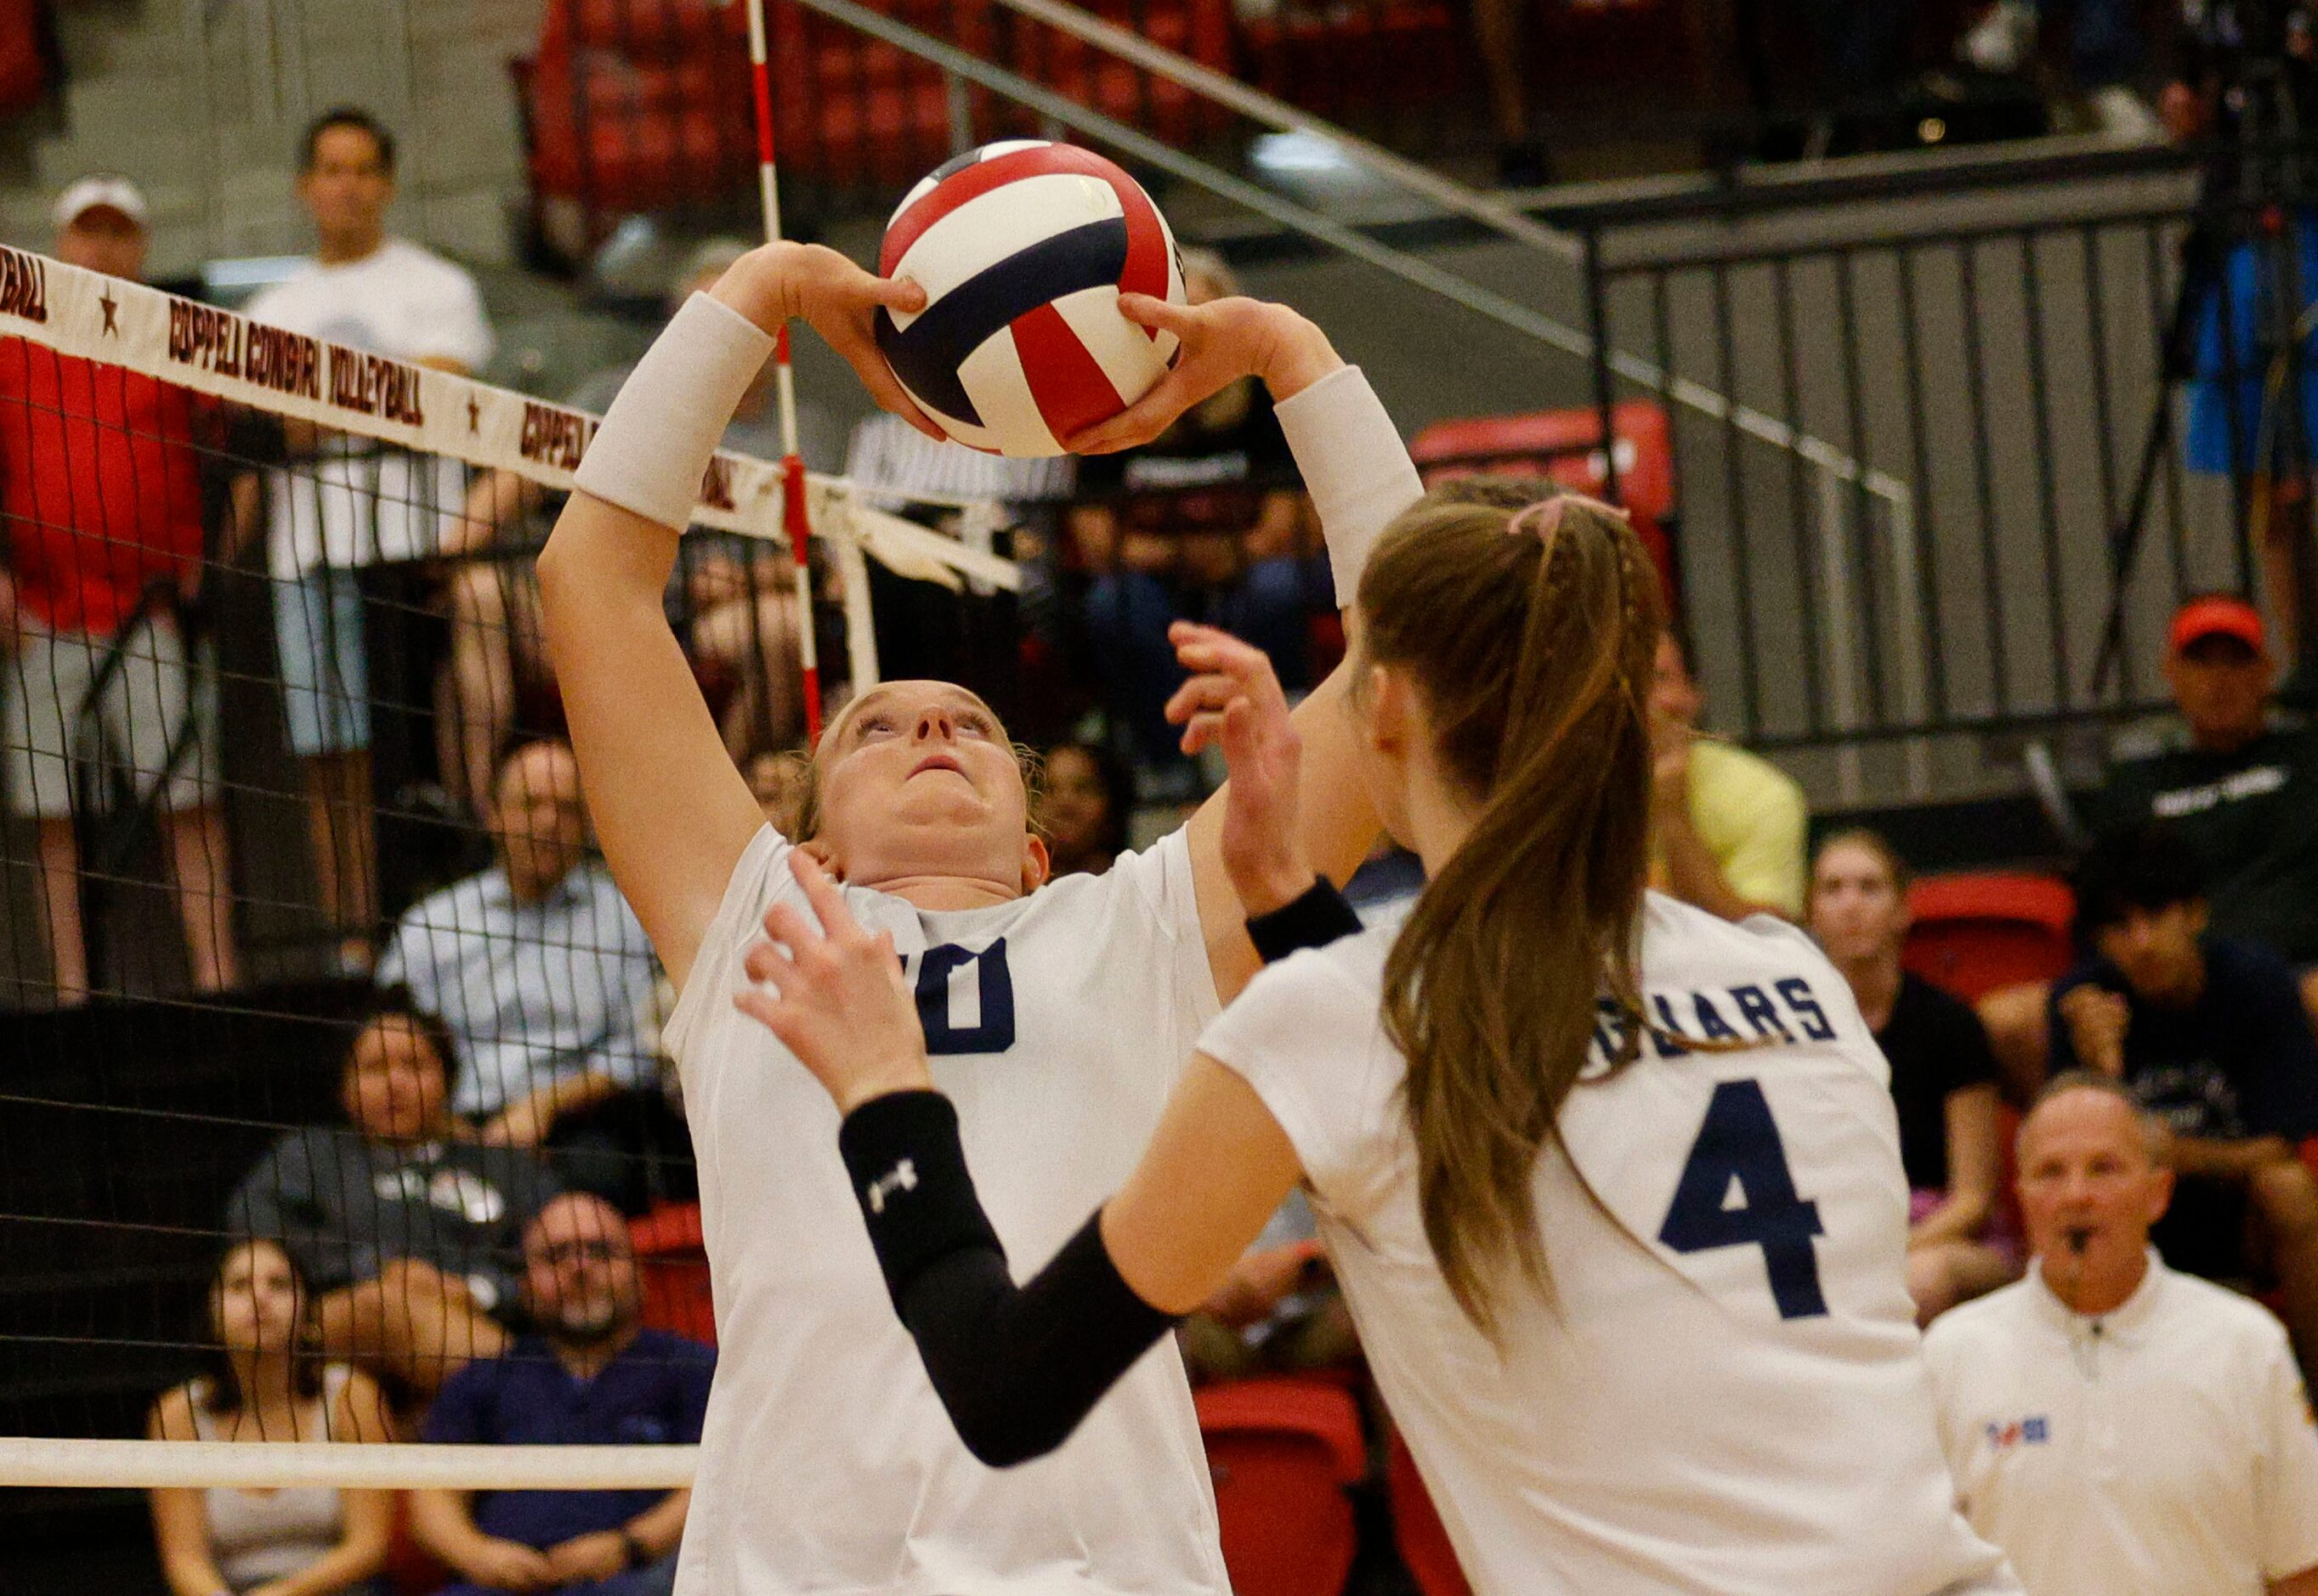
x=1023, y=248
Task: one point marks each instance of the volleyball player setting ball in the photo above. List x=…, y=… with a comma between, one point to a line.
x=1059, y=1016
x=1612, y=1186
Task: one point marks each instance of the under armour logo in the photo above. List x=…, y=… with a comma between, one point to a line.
x=902, y=1176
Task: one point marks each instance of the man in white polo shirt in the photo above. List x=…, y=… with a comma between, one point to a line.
x=2115, y=1426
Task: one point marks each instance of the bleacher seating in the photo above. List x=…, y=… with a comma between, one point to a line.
x=846, y=107
x=673, y=1260
x=1348, y=62
x=1417, y=1530
x=1974, y=933
x=23, y=66
x=1200, y=29
x=634, y=105
x=1281, y=1451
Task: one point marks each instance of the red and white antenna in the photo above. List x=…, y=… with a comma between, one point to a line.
x=794, y=521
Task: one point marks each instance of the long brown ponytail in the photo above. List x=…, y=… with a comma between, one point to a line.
x=1529, y=635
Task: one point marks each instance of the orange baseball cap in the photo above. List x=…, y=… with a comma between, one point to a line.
x=2215, y=614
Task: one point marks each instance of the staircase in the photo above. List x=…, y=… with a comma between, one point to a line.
x=201, y=101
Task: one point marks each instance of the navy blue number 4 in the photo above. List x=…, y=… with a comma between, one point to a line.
x=1739, y=1144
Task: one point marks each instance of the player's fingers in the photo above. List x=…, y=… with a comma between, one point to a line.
x=767, y=965
x=899, y=293
x=828, y=903
x=1160, y=315
x=878, y=378
x=1240, y=742
x=774, y=1015
x=1212, y=650
x=1201, y=693
x=1143, y=420
x=797, y=937
x=1200, y=731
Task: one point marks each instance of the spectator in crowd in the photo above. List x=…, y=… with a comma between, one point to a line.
x=1280, y=1311
x=733, y=599
x=541, y=975
x=2210, y=1035
x=2115, y=1426
x=264, y=1382
x=403, y=1222
x=102, y=496
x=1728, y=825
x=1208, y=523
x=588, y=1374
x=2241, y=789
x=343, y=502
x=1082, y=802
x=1942, y=1075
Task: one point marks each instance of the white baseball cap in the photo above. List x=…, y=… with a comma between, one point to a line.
x=114, y=193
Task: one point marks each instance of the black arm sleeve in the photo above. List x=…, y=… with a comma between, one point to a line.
x=1313, y=920
x=1017, y=1368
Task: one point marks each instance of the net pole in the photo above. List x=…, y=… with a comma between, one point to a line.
x=794, y=520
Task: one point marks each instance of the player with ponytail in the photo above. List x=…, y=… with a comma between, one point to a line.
x=1613, y=1186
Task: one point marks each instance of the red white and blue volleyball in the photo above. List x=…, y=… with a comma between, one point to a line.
x=1023, y=248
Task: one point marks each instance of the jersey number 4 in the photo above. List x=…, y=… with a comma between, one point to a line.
x=1736, y=1191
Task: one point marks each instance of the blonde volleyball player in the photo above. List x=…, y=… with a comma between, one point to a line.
x=1059, y=1015
x=1613, y=1186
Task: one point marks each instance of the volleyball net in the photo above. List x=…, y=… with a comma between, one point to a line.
x=305, y=941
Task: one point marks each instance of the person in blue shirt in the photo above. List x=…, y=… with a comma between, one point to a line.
x=540, y=972
x=588, y=1374
x=2210, y=1034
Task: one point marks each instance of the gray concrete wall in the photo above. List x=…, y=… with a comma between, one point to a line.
x=202, y=100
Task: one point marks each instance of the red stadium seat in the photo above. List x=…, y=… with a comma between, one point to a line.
x=1975, y=932
x=23, y=69
x=1565, y=445
x=851, y=108
x=1417, y=1530
x=636, y=105
x=1101, y=81
x=673, y=1262
x=411, y=1570
x=1348, y=61
x=1281, y=1451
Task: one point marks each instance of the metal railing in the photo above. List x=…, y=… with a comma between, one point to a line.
x=1985, y=365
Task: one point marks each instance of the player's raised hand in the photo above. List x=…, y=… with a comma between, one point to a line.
x=1222, y=341
x=1234, y=700
x=838, y=1001
x=838, y=300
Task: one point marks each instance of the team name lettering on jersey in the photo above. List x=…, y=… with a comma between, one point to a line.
x=1784, y=1010
x=966, y=999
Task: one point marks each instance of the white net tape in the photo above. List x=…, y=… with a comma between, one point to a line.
x=136, y=1464
x=217, y=351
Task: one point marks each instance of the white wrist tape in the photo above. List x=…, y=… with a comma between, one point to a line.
x=1355, y=466
x=655, y=446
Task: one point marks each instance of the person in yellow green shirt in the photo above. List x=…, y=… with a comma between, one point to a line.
x=1727, y=827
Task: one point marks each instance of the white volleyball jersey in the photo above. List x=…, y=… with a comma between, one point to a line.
x=1724, y=1392
x=1056, y=1024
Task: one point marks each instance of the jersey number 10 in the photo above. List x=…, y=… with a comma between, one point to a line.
x=1739, y=1150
